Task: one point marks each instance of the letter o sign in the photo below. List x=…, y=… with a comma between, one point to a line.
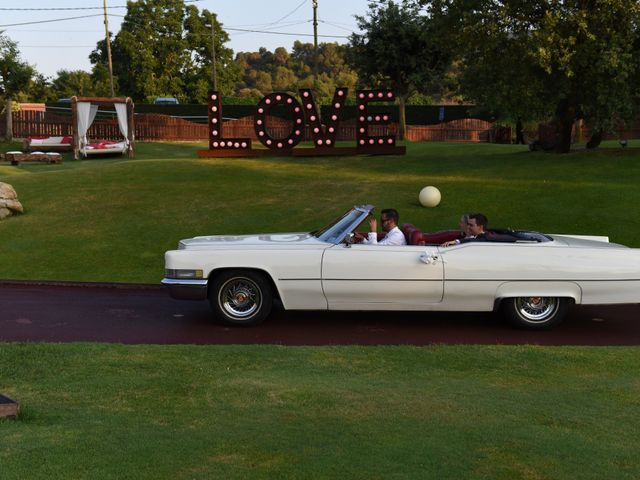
x=260, y=121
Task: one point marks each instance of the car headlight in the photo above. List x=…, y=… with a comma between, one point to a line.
x=183, y=274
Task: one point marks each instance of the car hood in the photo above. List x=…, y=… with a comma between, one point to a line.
x=262, y=240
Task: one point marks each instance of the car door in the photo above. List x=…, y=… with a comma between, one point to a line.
x=377, y=277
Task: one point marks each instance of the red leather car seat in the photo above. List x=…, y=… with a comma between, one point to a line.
x=412, y=234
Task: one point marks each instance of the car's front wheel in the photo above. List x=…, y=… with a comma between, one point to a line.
x=241, y=297
x=535, y=313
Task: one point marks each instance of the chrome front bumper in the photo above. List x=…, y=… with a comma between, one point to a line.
x=186, y=289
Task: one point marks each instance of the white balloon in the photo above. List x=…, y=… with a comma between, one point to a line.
x=429, y=196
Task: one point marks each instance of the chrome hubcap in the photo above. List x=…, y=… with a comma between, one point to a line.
x=240, y=297
x=536, y=309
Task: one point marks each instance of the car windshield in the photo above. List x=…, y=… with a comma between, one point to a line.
x=338, y=229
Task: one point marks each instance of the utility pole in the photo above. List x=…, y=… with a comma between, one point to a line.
x=106, y=36
x=315, y=43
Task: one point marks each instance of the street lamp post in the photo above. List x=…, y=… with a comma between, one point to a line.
x=315, y=42
x=213, y=55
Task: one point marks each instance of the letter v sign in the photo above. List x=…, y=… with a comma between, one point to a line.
x=323, y=137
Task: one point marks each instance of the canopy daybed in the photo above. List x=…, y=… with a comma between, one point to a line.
x=83, y=113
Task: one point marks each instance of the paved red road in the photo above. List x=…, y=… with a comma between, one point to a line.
x=134, y=315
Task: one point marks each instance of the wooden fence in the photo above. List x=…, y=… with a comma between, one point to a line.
x=156, y=127
x=463, y=130
x=30, y=123
x=278, y=128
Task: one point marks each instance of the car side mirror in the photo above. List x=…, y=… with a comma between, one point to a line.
x=350, y=239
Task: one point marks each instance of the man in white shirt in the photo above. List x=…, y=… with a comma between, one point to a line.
x=389, y=221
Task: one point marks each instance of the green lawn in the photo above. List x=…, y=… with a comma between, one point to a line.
x=112, y=219
x=264, y=412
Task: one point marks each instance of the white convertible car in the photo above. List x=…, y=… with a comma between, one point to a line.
x=530, y=277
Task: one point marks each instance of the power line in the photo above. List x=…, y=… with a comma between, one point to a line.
x=48, y=9
x=57, y=9
x=55, y=31
x=284, y=25
x=333, y=22
x=335, y=25
x=270, y=29
x=275, y=22
x=244, y=30
x=284, y=33
x=57, y=46
x=288, y=14
x=51, y=20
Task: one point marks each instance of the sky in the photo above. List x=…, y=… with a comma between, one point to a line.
x=53, y=46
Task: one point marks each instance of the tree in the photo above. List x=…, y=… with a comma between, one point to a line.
x=284, y=80
x=164, y=49
x=263, y=82
x=15, y=76
x=400, y=48
x=101, y=81
x=198, y=73
x=333, y=69
x=256, y=70
x=265, y=71
x=73, y=82
x=39, y=89
x=537, y=59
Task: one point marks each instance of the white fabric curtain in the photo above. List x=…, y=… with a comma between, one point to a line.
x=86, y=116
x=121, y=110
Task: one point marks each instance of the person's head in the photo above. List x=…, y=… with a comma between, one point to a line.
x=464, y=223
x=477, y=223
x=389, y=219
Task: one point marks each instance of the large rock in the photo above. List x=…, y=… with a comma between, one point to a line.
x=7, y=191
x=9, y=204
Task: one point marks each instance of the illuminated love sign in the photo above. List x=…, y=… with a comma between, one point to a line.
x=304, y=114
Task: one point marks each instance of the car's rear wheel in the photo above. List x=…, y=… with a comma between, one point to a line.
x=535, y=313
x=241, y=297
